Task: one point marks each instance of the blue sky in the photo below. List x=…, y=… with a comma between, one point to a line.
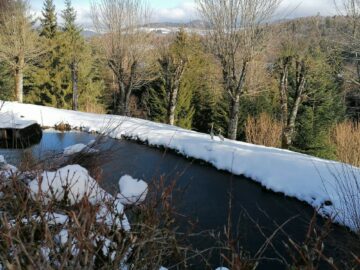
x=185, y=10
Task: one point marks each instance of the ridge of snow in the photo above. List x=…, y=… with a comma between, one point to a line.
x=78, y=148
x=72, y=180
x=132, y=191
x=13, y=120
x=306, y=178
x=6, y=170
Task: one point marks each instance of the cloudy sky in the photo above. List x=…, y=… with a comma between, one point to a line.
x=185, y=10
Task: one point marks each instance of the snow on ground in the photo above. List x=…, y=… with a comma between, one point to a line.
x=10, y=120
x=72, y=181
x=306, y=178
x=132, y=191
x=78, y=148
x=75, y=183
x=6, y=170
x=113, y=215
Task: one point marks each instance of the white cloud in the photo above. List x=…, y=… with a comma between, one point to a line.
x=186, y=11
x=288, y=9
x=302, y=8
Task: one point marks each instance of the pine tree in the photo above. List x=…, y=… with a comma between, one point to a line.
x=6, y=84
x=75, y=46
x=47, y=84
x=173, y=64
x=49, y=20
x=321, y=109
x=156, y=101
x=19, y=43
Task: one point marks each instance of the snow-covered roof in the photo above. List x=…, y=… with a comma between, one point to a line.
x=9, y=120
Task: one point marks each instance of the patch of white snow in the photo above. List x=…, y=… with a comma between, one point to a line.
x=132, y=191
x=72, y=181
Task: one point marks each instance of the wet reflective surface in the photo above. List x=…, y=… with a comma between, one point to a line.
x=204, y=197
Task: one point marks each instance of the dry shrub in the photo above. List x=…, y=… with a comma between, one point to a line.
x=62, y=127
x=346, y=138
x=263, y=130
x=29, y=241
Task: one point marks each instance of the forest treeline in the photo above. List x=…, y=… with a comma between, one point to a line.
x=291, y=84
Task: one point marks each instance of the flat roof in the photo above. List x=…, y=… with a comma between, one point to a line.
x=11, y=121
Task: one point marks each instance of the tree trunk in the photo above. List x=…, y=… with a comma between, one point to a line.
x=121, y=103
x=284, y=90
x=172, y=105
x=289, y=129
x=127, y=101
x=19, y=84
x=234, y=118
x=235, y=88
x=74, y=78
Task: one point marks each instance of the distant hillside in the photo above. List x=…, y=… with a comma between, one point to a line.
x=88, y=33
x=196, y=24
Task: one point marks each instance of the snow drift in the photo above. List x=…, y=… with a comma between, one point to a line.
x=306, y=178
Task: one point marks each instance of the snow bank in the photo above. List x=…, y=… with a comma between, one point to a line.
x=78, y=148
x=132, y=191
x=304, y=177
x=6, y=170
x=72, y=181
x=12, y=120
x=113, y=215
x=50, y=218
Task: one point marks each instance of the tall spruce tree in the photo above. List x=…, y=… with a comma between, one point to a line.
x=173, y=63
x=75, y=46
x=47, y=85
x=48, y=21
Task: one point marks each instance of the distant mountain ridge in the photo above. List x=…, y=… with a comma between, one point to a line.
x=196, y=24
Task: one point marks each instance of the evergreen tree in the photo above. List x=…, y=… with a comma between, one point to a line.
x=6, y=84
x=48, y=20
x=173, y=64
x=75, y=45
x=19, y=43
x=156, y=101
x=47, y=84
x=321, y=110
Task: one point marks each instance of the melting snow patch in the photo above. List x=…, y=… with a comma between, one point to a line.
x=72, y=182
x=6, y=170
x=78, y=148
x=113, y=215
x=132, y=191
x=62, y=237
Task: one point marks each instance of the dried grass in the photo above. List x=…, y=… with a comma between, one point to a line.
x=346, y=138
x=263, y=130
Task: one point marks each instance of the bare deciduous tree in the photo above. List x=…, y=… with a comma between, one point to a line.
x=19, y=43
x=173, y=61
x=351, y=9
x=236, y=33
x=350, y=43
x=4, y=4
x=124, y=44
x=289, y=114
